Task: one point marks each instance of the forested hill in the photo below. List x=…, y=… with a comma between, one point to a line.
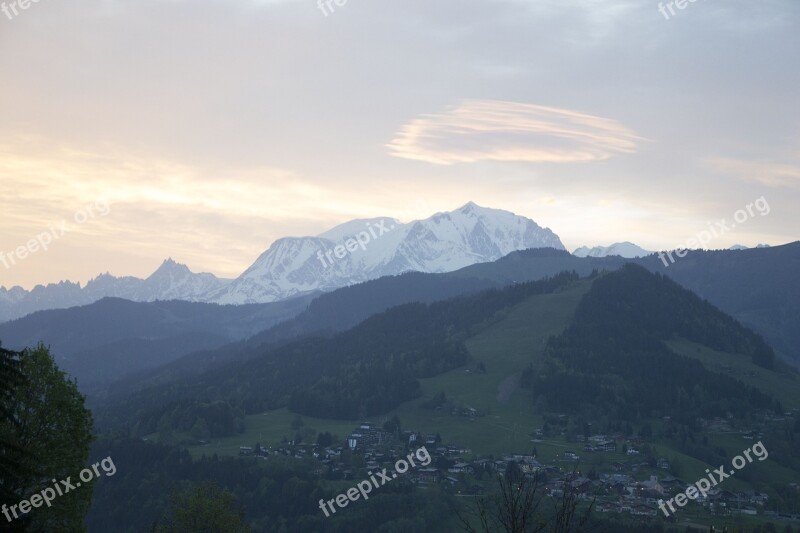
x=759, y=287
x=613, y=360
x=326, y=315
x=104, y=341
x=366, y=370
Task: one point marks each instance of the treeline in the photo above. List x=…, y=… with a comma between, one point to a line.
x=280, y=494
x=366, y=370
x=202, y=420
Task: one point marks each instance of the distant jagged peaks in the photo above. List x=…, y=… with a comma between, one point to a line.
x=171, y=281
x=742, y=247
x=625, y=249
x=171, y=268
x=356, y=251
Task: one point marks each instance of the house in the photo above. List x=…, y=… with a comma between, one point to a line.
x=460, y=468
x=483, y=464
x=581, y=485
x=606, y=446
x=618, y=466
x=643, y=510
x=352, y=440
x=653, y=484
x=530, y=467
x=428, y=475
x=571, y=456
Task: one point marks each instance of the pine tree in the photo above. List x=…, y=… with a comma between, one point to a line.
x=46, y=430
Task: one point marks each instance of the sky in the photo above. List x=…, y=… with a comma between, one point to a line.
x=203, y=130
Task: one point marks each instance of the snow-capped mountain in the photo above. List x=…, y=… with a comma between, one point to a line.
x=626, y=249
x=172, y=281
x=366, y=249
x=742, y=247
x=352, y=252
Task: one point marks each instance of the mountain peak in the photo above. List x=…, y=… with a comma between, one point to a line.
x=171, y=266
x=625, y=249
x=472, y=207
x=365, y=249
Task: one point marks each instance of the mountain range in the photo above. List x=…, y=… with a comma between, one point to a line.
x=100, y=342
x=145, y=343
x=171, y=281
x=352, y=252
x=626, y=249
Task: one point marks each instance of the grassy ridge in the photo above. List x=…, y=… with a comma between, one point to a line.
x=506, y=348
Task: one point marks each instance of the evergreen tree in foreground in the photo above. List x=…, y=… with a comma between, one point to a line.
x=45, y=434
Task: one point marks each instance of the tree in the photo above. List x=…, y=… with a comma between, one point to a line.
x=520, y=506
x=203, y=509
x=325, y=439
x=200, y=429
x=10, y=454
x=51, y=430
x=393, y=426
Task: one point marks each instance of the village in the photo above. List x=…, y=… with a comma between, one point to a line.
x=631, y=482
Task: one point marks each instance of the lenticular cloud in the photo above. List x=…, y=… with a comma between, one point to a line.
x=481, y=130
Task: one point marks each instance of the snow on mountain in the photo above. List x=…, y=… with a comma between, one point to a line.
x=366, y=249
x=356, y=251
x=626, y=249
x=742, y=247
x=172, y=281
x=106, y=285
x=12, y=296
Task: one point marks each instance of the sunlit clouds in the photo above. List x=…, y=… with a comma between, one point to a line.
x=481, y=130
x=221, y=218
x=214, y=219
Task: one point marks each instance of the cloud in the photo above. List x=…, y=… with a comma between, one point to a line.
x=769, y=173
x=214, y=218
x=480, y=130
